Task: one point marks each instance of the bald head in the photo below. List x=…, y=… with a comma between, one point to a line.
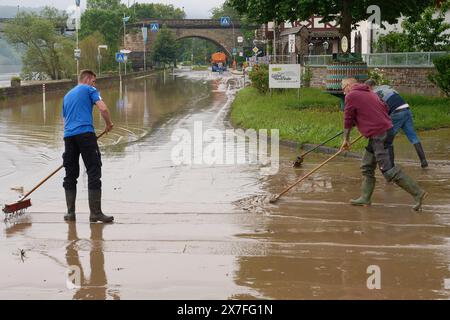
x=347, y=84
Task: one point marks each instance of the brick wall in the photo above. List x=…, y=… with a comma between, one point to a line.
x=406, y=80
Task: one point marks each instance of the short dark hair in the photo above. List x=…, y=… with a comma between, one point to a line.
x=86, y=73
x=370, y=82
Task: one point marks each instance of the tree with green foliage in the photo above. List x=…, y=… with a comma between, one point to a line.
x=45, y=46
x=105, y=17
x=427, y=33
x=393, y=41
x=164, y=49
x=198, y=49
x=142, y=11
x=441, y=77
x=104, y=4
x=248, y=26
x=108, y=23
x=346, y=12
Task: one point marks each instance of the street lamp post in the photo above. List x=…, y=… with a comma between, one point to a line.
x=234, y=45
x=125, y=19
x=99, y=56
x=77, y=27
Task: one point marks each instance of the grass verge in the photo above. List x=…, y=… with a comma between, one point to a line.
x=315, y=116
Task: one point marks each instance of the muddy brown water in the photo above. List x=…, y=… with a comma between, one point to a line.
x=207, y=232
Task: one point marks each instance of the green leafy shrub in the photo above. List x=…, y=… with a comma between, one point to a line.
x=442, y=76
x=379, y=77
x=260, y=78
x=306, y=77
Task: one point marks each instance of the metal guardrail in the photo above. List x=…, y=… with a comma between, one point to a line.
x=395, y=59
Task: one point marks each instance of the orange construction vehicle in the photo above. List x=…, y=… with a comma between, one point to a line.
x=218, y=62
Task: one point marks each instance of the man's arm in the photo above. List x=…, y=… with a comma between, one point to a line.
x=346, y=142
x=105, y=115
x=349, y=120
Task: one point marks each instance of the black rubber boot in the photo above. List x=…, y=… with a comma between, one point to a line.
x=367, y=187
x=95, y=206
x=408, y=184
x=71, y=196
x=421, y=154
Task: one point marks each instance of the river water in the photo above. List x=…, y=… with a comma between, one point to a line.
x=198, y=231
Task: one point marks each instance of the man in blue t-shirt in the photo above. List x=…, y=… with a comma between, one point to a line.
x=80, y=139
x=401, y=116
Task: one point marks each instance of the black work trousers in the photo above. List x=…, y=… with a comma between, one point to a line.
x=86, y=145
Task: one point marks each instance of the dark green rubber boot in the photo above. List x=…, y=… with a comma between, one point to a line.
x=421, y=154
x=95, y=206
x=367, y=187
x=71, y=196
x=409, y=185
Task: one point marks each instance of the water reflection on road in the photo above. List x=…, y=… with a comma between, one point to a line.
x=179, y=233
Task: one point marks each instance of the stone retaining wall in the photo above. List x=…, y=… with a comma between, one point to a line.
x=406, y=80
x=55, y=86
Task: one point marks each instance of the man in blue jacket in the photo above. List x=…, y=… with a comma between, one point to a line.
x=401, y=116
x=80, y=139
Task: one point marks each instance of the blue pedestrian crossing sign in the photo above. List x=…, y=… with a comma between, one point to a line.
x=225, y=21
x=120, y=57
x=154, y=27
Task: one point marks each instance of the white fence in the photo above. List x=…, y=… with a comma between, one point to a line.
x=398, y=59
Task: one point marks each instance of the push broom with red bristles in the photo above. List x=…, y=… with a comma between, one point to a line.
x=18, y=208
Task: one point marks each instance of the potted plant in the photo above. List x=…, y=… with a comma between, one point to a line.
x=15, y=82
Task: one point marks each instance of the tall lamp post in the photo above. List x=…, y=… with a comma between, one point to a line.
x=77, y=27
x=144, y=40
x=234, y=45
x=125, y=20
x=99, y=56
x=225, y=22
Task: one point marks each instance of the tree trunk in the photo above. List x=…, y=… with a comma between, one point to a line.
x=346, y=21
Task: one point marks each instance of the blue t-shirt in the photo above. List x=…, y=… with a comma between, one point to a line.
x=77, y=110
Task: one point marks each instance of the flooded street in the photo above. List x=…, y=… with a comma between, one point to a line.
x=184, y=232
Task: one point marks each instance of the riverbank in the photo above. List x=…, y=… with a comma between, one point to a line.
x=59, y=85
x=315, y=117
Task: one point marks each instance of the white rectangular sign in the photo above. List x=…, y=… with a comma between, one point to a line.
x=284, y=76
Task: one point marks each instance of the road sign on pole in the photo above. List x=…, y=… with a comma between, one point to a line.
x=255, y=50
x=225, y=21
x=120, y=57
x=77, y=53
x=154, y=27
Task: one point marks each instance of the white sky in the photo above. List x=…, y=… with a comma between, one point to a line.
x=199, y=9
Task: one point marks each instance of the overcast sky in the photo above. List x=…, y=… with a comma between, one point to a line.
x=193, y=8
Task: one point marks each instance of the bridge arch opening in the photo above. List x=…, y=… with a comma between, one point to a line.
x=199, y=41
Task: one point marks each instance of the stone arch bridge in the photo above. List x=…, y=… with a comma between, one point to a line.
x=224, y=37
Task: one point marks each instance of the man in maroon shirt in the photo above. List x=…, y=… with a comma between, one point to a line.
x=364, y=109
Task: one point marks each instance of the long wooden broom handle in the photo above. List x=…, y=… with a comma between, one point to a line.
x=322, y=144
x=314, y=170
x=51, y=175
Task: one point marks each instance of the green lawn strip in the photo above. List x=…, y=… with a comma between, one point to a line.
x=316, y=116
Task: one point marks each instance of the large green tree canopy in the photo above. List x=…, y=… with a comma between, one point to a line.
x=45, y=47
x=346, y=12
